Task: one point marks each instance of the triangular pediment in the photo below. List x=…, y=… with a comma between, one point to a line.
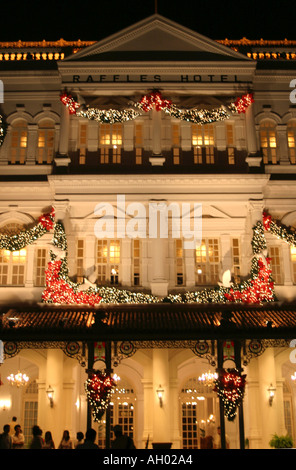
x=156, y=38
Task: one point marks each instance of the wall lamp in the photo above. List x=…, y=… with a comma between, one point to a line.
x=5, y=404
x=49, y=393
x=271, y=391
x=160, y=392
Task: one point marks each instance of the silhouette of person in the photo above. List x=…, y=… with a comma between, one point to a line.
x=37, y=441
x=121, y=441
x=6, y=439
x=89, y=441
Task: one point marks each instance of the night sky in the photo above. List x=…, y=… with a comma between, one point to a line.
x=95, y=20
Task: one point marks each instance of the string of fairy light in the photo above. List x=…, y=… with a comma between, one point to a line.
x=154, y=100
x=99, y=387
x=3, y=129
x=60, y=289
x=230, y=388
x=27, y=237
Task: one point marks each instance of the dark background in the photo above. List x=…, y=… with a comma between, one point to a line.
x=94, y=20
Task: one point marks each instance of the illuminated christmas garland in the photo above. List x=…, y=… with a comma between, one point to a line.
x=154, y=100
x=109, y=116
x=3, y=129
x=98, y=388
x=280, y=231
x=230, y=387
x=259, y=288
x=59, y=288
x=27, y=237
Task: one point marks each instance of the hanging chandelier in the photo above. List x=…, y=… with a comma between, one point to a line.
x=18, y=380
x=208, y=378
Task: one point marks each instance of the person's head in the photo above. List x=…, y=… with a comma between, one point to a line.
x=6, y=428
x=90, y=435
x=48, y=436
x=117, y=430
x=36, y=431
x=80, y=436
x=14, y=418
x=17, y=429
x=66, y=435
x=218, y=430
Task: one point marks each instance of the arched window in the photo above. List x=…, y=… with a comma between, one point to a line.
x=30, y=409
x=268, y=141
x=122, y=411
x=19, y=142
x=45, y=141
x=12, y=263
x=291, y=137
x=199, y=410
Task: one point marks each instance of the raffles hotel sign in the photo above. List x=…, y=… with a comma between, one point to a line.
x=150, y=78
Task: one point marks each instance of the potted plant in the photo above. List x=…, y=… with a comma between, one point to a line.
x=281, y=442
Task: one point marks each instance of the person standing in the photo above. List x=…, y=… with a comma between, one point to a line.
x=12, y=425
x=48, y=441
x=66, y=442
x=89, y=442
x=37, y=441
x=121, y=441
x=5, y=438
x=18, y=440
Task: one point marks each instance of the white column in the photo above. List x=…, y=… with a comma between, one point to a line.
x=126, y=262
x=30, y=266
x=287, y=265
x=90, y=255
x=64, y=131
x=283, y=145
x=62, y=158
x=176, y=437
x=159, y=247
x=252, y=406
x=54, y=378
x=253, y=159
x=282, y=431
x=189, y=260
x=251, y=131
x=148, y=416
x=161, y=414
x=156, y=159
x=267, y=376
x=32, y=144
x=226, y=258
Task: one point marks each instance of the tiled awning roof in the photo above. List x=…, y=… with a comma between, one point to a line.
x=148, y=322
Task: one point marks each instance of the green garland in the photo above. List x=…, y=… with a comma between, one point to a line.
x=280, y=231
x=27, y=237
x=257, y=289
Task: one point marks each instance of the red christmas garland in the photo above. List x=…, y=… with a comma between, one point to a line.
x=244, y=102
x=98, y=389
x=154, y=100
x=69, y=101
x=230, y=387
x=47, y=220
x=261, y=287
x=59, y=291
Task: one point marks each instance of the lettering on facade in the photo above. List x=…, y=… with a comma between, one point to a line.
x=145, y=78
